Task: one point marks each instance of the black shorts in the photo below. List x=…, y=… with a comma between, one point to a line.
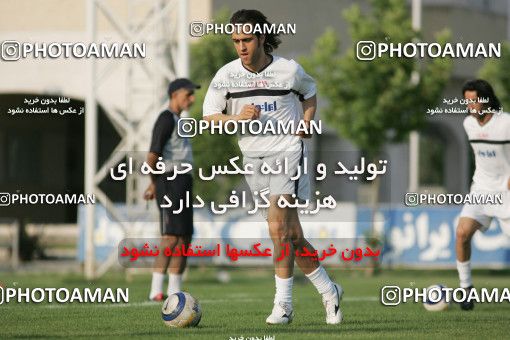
x=170, y=223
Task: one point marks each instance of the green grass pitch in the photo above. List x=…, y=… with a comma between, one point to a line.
x=239, y=308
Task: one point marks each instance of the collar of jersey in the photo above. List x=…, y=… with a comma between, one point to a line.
x=262, y=69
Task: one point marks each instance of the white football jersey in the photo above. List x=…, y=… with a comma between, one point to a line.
x=277, y=90
x=491, y=146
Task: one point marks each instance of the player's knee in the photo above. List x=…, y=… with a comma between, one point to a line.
x=279, y=231
x=186, y=239
x=283, y=237
x=169, y=240
x=277, y=224
x=298, y=239
x=462, y=234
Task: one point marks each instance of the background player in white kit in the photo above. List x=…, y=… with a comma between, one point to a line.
x=489, y=136
x=280, y=103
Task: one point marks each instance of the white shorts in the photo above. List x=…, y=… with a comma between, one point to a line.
x=484, y=213
x=281, y=184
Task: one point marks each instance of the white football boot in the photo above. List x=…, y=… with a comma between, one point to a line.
x=332, y=305
x=282, y=314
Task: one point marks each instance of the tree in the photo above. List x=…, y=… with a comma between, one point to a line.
x=208, y=55
x=495, y=71
x=372, y=103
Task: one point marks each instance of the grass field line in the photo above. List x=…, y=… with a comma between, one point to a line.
x=203, y=301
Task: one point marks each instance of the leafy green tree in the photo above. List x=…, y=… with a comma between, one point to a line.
x=208, y=55
x=496, y=72
x=375, y=102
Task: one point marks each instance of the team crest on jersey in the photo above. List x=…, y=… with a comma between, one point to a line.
x=267, y=106
x=487, y=153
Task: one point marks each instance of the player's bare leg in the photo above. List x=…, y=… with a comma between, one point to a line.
x=283, y=259
x=286, y=231
x=160, y=267
x=162, y=262
x=465, y=231
x=176, y=266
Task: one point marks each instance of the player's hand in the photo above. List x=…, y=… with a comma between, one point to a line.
x=303, y=134
x=508, y=184
x=150, y=192
x=249, y=112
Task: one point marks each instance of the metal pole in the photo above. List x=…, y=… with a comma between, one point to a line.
x=90, y=145
x=183, y=48
x=183, y=31
x=414, y=136
x=416, y=14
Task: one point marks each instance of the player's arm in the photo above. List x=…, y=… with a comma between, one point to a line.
x=150, y=192
x=160, y=134
x=152, y=158
x=305, y=85
x=309, y=109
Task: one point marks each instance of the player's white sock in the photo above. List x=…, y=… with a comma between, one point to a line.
x=322, y=282
x=283, y=290
x=157, y=284
x=174, y=283
x=464, y=269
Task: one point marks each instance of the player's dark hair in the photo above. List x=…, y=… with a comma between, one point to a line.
x=252, y=16
x=483, y=90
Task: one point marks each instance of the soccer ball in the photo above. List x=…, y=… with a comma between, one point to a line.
x=181, y=310
x=435, y=298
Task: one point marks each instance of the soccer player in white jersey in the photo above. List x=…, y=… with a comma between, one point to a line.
x=489, y=136
x=291, y=92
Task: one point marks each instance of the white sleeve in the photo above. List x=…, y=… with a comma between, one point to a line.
x=507, y=149
x=305, y=84
x=215, y=99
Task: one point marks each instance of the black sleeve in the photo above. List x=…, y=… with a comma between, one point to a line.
x=162, y=132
